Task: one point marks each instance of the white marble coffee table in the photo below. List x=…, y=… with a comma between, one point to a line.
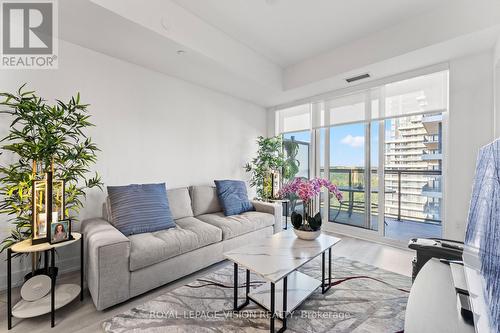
x=276, y=259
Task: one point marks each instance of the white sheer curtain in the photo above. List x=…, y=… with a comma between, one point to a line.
x=418, y=95
x=294, y=119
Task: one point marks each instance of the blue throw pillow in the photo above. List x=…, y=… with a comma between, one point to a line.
x=137, y=209
x=233, y=197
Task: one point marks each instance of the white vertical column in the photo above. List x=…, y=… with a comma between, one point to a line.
x=315, y=162
x=326, y=162
x=381, y=163
x=368, y=164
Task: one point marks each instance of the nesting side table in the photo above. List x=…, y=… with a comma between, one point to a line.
x=58, y=297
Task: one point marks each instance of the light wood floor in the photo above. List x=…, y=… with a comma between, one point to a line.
x=83, y=317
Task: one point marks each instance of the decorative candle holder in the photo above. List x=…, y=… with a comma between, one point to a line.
x=48, y=207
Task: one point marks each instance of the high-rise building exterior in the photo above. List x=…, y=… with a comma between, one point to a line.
x=413, y=159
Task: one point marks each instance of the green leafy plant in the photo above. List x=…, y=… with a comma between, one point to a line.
x=43, y=137
x=291, y=167
x=313, y=222
x=296, y=219
x=269, y=159
x=292, y=164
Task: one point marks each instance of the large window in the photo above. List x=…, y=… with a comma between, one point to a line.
x=383, y=147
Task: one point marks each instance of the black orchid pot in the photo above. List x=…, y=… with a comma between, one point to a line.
x=306, y=227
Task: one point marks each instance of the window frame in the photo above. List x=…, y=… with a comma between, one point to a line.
x=315, y=162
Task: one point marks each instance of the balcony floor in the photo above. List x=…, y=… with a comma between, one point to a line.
x=400, y=230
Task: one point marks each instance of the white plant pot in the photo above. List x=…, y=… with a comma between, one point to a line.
x=307, y=235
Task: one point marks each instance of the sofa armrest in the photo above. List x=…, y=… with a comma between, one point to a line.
x=275, y=209
x=107, y=253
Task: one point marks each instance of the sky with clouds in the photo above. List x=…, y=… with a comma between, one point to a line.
x=357, y=141
x=347, y=144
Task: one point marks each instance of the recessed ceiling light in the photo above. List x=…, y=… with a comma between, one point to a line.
x=181, y=52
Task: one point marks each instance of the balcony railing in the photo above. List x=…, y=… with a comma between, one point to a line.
x=432, y=187
x=431, y=155
x=404, y=191
x=432, y=139
x=400, y=173
x=433, y=209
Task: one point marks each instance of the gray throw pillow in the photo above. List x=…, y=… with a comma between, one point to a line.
x=137, y=209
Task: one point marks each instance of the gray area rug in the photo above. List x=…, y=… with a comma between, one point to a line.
x=363, y=298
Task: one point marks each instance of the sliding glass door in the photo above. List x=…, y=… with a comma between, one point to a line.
x=347, y=165
x=413, y=176
x=383, y=148
x=354, y=151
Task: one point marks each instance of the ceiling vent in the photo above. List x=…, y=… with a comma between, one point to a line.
x=357, y=77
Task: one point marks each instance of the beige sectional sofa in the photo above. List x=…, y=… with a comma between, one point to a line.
x=119, y=267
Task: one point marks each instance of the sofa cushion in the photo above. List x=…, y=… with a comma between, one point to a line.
x=140, y=208
x=180, y=202
x=235, y=225
x=189, y=234
x=233, y=197
x=204, y=200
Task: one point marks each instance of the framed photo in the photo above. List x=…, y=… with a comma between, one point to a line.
x=60, y=231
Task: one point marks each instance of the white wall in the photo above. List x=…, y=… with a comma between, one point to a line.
x=149, y=126
x=470, y=126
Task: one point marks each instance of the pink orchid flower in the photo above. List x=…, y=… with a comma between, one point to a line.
x=308, y=189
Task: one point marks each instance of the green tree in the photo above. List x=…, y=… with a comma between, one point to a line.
x=292, y=164
x=269, y=159
x=43, y=137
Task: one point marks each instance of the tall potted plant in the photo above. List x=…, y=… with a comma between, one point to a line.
x=291, y=164
x=43, y=138
x=291, y=167
x=269, y=160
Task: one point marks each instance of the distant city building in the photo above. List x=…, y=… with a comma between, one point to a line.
x=414, y=143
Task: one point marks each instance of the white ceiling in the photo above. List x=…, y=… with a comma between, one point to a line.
x=289, y=31
x=281, y=51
